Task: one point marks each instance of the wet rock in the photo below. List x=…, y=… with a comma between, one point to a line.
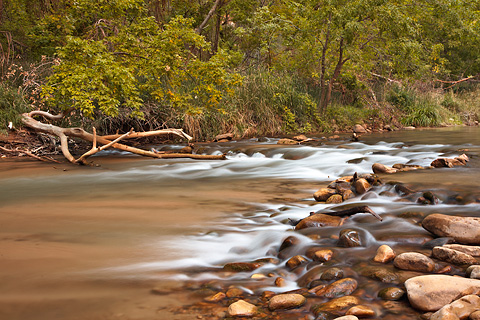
x=280, y=282
x=474, y=251
x=319, y=220
x=379, y=273
x=234, y=292
x=289, y=242
x=358, y=128
x=349, y=238
x=336, y=306
x=450, y=163
x=452, y=256
x=343, y=287
x=465, y=230
x=336, y=198
x=332, y=274
x=300, y=137
x=459, y=309
x=286, y=301
x=242, y=308
x=342, y=187
x=323, y=194
x=414, y=261
x=391, y=293
x=361, y=186
x=241, y=266
x=432, y=292
x=295, y=261
x=322, y=255
x=361, y=311
x=216, y=297
x=258, y=276
x=384, y=254
x=287, y=141
x=348, y=194
x=381, y=168
x=473, y=272
x=438, y=242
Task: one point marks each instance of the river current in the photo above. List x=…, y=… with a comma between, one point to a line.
x=92, y=242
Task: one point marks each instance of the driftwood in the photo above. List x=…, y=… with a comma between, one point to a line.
x=106, y=141
x=352, y=211
x=28, y=153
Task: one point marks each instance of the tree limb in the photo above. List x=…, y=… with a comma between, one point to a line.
x=209, y=15
x=352, y=211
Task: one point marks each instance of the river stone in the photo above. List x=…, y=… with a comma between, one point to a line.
x=446, y=162
x=319, y=220
x=473, y=272
x=452, y=256
x=295, y=261
x=336, y=306
x=289, y=242
x=323, y=255
x=287, y=141
x=384, y=254
x=361, y=186
x=339, y=288
x=280, y=282
x=432, y=292
x=474, y=251
x=414, y=261
x=381, y=168
x=391, y=293
x=242, y=308
x=348, y=194
x=438, y=242
x=241, y=266
x=286, y=301
x=464, y=230
x=332, y=274
x=336, y=198
x=300, y=137
x=234, y=292
x=459, y=309
x=361, y=311
x=475, y=315
x=349, y=238
x=216, y=297
x=380, y=273
x=323, y=194
x=358, y=128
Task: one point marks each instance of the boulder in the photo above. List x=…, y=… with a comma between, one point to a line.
x=323, y=194
x=474, y=251
x=381, y=168
x=300, y=137
x=287, y=141
x=459, y=309
x=432, y=292
x=475, y=315
x=465, y=230
x=242, y=308
x=286, y=301
x=339, y=288
x=384, y=254
x=414, y=261
x=452, y=256
x=358, y=128
x=319, y=220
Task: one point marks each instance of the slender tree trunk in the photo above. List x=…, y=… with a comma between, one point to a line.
x=322, y=105
x=336, y=73
x=216, y=31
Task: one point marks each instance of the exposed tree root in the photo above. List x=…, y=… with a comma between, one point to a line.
x=106, y=141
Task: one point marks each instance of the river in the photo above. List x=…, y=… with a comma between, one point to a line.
x=92, y=242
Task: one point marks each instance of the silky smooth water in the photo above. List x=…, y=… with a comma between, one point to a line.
x=91, y=242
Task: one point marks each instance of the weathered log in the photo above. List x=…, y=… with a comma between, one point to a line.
x=352, y=211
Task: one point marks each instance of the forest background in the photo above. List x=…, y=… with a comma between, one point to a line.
x=249, y=67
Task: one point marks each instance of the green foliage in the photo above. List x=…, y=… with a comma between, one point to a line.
x=402, y=98
x=12, y=105
x=423, y=114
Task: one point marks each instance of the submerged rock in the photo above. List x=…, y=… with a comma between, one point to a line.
x=432, y=292
x=361, y=311
x=343, y=287
x=336, y=306
x=286, y=301
x=241, y=266
x=349, y=238
x=391, y=293
x=464, y=230
x=414, y=261
x=319, y=220
x=295, y=261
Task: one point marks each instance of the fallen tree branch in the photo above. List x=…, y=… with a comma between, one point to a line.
x=454, y=83
x=352, y=211
x=178, y=132
x=64, y=133
x=28, y=153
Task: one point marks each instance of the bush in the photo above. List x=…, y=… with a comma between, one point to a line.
x=12, y=105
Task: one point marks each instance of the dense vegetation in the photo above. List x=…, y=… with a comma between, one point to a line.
x=247, y=66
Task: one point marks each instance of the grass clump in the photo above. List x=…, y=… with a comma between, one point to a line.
x=12, y=105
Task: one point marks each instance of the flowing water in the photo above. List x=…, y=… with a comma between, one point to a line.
x=92, y=242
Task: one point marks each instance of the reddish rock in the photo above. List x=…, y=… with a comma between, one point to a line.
x=414, y=261
x=452, y=256
x=323, y=194
x=319, y=220
x=384, y=254
x=464, y=230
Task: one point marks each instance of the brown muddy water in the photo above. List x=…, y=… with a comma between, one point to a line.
x=92, y=242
